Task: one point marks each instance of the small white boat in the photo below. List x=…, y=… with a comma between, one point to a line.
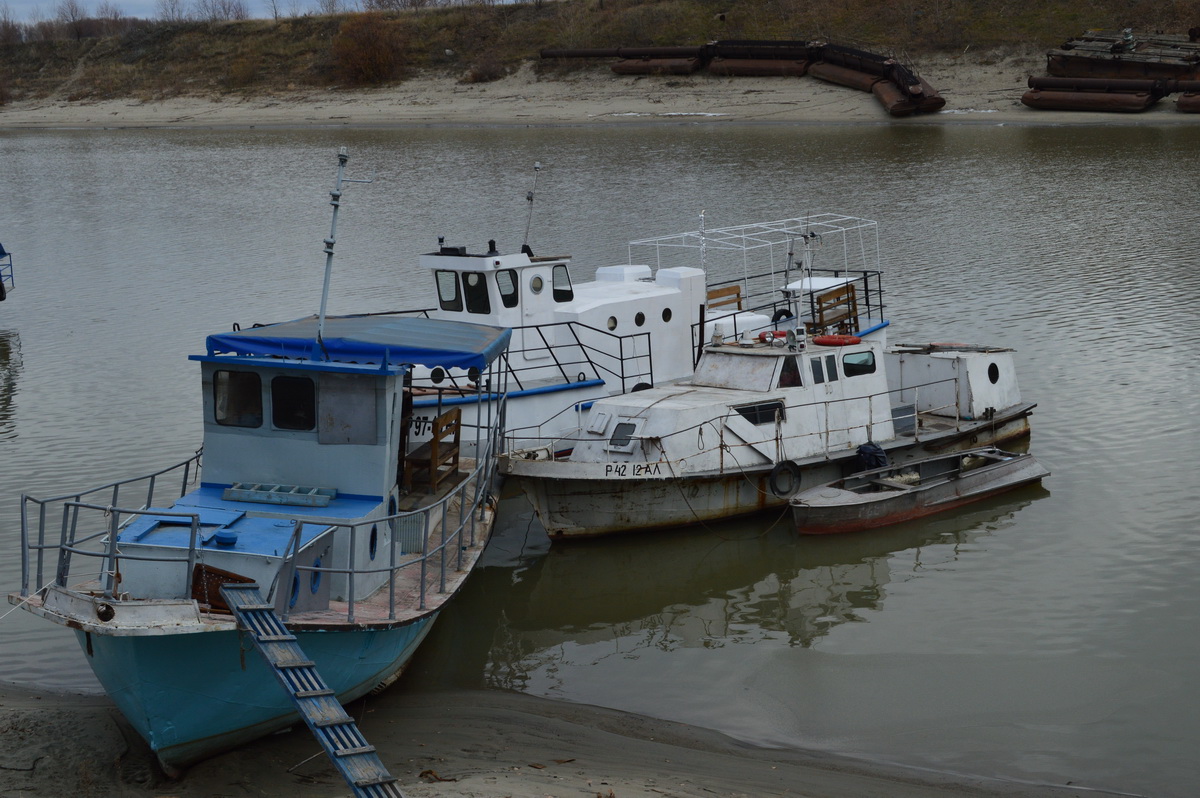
x=320, y=533
x=761, y=418
x=642, y=324
x=896, y=493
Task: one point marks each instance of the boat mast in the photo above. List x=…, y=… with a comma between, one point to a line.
x=537, y=169
x=335, y=199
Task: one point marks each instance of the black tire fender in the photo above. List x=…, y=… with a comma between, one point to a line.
x=785, y=479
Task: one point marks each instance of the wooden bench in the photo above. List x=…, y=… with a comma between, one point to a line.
x=836, y=311
x=729, y=295
x=437, y=458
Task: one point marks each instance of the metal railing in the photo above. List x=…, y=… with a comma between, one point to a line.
x=949, y=412
x=621, y=361
x=447, y=527
x=186, y=471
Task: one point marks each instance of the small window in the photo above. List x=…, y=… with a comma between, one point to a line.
x=789, y=376
x=761, y=413
x=562, y=285
x=623, y=437
x=639, y=319
x=858, y=363
x=293, y=403
x=831, y=371
x=666, y=314
x=612, y=322
x=476, y=292
x=237, y=399
x=818, y=371
x=506, y=281
x=448, y=295
x=536, y=284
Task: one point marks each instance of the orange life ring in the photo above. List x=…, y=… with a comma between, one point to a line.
x=768, y=335
x=835, y=340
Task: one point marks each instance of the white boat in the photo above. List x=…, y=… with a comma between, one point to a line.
x=641, y=324
x=895, y=493
x=761, y=418
x=320, y=533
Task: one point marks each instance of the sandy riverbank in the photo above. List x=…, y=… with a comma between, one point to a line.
x=978, y=88
x=465, y=744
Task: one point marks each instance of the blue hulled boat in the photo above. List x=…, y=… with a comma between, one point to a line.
x=309, y=491
x=319, y=532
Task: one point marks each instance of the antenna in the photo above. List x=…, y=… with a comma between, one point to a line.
x=335, y=199
x=537, y=168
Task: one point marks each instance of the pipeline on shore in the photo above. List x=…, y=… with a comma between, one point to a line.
x=899, y=90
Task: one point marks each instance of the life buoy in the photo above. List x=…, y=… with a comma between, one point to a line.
x=770, y=335
x=835, y=340
x=785, y=479
x=780, y=315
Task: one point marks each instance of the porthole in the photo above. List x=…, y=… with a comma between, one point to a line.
x=537, y=284
x=295, y=590
x=612, y=322
x=666, y=314
x=373, y=545
x=994, y=373
x=639, y=319
x=314, y=580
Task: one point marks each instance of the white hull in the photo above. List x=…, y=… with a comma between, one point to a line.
x=583, y=500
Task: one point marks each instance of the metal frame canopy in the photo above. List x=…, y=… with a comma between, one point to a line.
x=858, y=238
x=381, y=342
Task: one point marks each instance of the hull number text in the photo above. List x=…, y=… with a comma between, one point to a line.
x=633, y=470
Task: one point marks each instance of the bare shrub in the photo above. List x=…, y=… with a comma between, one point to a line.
x=367, y=49
x=485, y=70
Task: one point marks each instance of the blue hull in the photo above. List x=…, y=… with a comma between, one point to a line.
x=195, y=695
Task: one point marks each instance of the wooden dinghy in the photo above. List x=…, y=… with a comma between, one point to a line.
x=896, y=493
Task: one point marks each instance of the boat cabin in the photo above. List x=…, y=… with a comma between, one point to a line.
x=560, y=325
x=297, y=425
x=772, y=400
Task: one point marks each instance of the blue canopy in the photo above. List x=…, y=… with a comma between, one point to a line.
x=383, y=340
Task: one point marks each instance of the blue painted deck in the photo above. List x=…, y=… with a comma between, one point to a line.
x=268, y=536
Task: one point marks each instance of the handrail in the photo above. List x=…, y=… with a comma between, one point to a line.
x=190, y=469
x=568, y=441
x=456, y=527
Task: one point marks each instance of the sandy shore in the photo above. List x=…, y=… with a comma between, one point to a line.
x=464, y=744
x=978, y=88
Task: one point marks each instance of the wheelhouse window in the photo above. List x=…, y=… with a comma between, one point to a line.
x=818, y=371
x=762, y=412
x=858, y=363
x=831, y=369
x=293, y=403
x=476, y=291
x=237, y=399
x=789, y=375
x=447, y=286
x=506, y=281
x=561, y=284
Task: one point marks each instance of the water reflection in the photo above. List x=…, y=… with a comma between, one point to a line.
x=537, y=611
x=10, y=370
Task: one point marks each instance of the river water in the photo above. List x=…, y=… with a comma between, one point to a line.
x=1047, y=636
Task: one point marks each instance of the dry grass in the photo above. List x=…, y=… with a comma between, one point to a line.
x=484, y=42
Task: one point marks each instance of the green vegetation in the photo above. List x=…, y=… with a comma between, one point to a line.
x=153, y=60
